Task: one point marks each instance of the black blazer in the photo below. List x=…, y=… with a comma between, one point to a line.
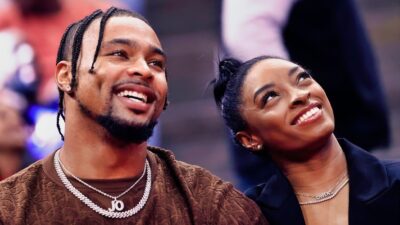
x=374, y=192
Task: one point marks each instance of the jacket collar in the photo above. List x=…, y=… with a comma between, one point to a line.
x=367, y=178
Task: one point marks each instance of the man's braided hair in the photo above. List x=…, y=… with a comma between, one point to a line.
x=71, y=43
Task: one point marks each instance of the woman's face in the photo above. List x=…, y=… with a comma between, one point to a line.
x=285, y=109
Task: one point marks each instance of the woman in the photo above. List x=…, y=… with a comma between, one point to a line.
x=275, y=109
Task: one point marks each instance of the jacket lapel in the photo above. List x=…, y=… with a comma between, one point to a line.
x=368, y=180
x=277, y=200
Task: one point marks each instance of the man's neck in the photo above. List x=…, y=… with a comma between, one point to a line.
x=320, y=171
x=91, y=153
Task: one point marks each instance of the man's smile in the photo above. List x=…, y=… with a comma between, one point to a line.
x=137, y=96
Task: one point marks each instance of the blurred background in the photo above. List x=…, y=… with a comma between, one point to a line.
x=191, y=126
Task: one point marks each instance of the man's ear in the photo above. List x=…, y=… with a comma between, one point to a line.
x=64, y=76
x=249, y=141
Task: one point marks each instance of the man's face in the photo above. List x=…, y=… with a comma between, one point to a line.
x=128, y=85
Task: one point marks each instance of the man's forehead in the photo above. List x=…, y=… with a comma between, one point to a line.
x=124, y=25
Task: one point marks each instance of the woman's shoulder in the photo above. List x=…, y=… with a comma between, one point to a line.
x=392, y=169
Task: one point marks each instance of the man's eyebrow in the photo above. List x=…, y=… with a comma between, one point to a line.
x=261, y=89
x=293, y=70
x=122, y=41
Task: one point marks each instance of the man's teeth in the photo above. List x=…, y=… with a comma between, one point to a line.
x=307, y=115
x=133, y=95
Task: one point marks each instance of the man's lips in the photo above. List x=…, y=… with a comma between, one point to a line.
x=307, y=114
x=136, y=96
x=135, y=91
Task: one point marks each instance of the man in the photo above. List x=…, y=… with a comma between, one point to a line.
x=112, y=82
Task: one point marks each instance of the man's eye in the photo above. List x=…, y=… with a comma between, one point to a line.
x=303, y=76
x=157, y=63
x=268, y=97
x=119, y=53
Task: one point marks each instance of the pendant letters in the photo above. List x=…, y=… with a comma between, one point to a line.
x=116, y=205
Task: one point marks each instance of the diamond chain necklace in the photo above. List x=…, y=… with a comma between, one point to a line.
x=116, y=204
x=101, y=192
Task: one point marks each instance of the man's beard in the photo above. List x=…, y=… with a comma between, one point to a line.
x=120, y=129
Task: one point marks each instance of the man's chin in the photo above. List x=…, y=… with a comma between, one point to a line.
x=120, y=129
x=127, y=131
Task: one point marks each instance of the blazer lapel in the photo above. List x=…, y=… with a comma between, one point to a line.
x=277, y=200
x=368, y=180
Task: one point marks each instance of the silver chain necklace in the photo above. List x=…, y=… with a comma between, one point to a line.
x=116, y=204
x=325, y=196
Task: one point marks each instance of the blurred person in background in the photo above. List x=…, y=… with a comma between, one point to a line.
x=18, y=82
x=326, y=37
x=41, y=23
x=30, y=31
x=13, y=134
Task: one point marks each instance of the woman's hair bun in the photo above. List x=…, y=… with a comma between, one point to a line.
x=227, y=70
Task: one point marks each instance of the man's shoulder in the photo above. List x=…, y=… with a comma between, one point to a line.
x=192, y=174
x=16, y=191
x=219, y=201
x=200, y=181
x=19, y=182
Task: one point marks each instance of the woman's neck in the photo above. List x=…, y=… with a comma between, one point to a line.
x=320, y=171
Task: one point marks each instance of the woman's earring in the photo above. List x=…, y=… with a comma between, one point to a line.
x=259, y=147
x=68, y=88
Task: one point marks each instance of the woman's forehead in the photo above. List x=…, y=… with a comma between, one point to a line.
x=271, y=66
x=269, y=71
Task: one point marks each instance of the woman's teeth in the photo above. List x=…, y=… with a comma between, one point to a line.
x=307, y=115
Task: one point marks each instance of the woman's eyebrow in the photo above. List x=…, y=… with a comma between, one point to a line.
x=293, y=70
x=261, y=89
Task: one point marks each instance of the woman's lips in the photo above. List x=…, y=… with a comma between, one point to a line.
x=310, y=113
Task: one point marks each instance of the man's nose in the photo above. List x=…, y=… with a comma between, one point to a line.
x=140, y=68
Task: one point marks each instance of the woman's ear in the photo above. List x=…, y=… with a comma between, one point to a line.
x=64, y=76
x=249, y=141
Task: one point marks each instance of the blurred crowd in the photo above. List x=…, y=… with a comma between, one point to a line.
x=30, y=31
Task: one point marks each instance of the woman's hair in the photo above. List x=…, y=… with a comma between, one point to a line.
x=228, y=90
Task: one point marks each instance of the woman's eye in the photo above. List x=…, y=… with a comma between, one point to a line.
x=268, y=97
x=303, y=76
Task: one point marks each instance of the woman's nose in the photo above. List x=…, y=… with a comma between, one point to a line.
x=300, y=97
